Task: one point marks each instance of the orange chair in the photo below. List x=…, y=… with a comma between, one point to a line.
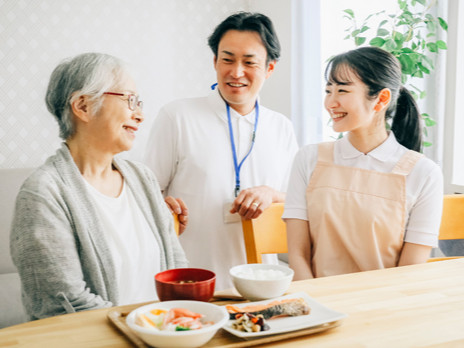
x=176, y=222
x=265, y=235
x=452, y=222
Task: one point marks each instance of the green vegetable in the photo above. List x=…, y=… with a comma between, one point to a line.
x=181, y=328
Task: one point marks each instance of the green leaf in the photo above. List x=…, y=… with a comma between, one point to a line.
x=427, y=62
x=423, y=68
x=406, y=50
x=397, y=36
x=356, y=32
x=404, y=79
x=429, y=17
x=390, y=45
x=402, y=4
x=347, y=37
x=382, y=23
x=422, y=94
x=364, y=28
x=429, y=122
x=359, y=40
x=377, y=41
x=426, y=144
x=407, y=16
x=432, y=46
x=431, y=26
x=382, y=32
x=350, y=12
x=422, y=2
x=443, y=23
x=441, y=45
x=407, y=65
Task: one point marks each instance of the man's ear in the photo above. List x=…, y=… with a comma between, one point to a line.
x=270, y=68
x=80, y=108
x=215, y=61
x=384, y=99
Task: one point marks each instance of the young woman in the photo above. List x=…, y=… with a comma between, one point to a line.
x=369, y=200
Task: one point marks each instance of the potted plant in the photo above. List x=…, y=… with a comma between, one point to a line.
x=410, y=35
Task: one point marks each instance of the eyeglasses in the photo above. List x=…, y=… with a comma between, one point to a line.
x=132, y=99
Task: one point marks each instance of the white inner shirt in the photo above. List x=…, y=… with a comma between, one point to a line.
x=133, y=246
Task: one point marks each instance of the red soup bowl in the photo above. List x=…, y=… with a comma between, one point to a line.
x=185, y=284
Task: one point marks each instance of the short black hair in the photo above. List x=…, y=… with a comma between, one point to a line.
x=248, y=21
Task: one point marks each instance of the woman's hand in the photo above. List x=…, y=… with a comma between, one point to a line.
x=177, y=205
x=251, y=202
x=299, y=248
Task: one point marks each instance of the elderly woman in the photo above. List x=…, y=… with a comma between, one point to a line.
x=91, y=230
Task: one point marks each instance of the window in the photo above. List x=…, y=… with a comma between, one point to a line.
x=453, y=160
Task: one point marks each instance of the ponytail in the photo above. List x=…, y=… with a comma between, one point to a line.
x=406, y=124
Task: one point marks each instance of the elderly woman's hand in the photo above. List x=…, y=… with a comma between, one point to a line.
x=177, y=205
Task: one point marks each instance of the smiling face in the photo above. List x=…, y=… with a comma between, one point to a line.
x=114, y=125
x=241, y=69
x=349, y=106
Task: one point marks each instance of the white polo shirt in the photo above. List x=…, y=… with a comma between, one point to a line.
x=190, y=152
x=424, y=185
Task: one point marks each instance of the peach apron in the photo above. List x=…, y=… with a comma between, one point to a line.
x=356, y=216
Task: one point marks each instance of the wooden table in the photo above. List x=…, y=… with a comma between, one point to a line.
x=413, y=306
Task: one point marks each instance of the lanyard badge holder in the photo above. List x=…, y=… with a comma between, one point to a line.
x=238, y=166
x=228, y=217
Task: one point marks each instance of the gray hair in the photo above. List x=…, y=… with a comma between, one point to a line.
x=89, y=74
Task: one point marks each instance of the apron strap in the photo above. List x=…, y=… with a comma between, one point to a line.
x=325, y=152
x=407, y=162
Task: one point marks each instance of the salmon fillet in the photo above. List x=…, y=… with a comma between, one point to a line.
x=289, y=307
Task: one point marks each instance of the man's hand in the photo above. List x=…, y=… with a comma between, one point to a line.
x=251, y=202
x=177, y=205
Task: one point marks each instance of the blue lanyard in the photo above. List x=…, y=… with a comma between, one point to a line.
x=232, y=143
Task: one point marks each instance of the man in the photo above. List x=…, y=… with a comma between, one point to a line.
x=225, y=155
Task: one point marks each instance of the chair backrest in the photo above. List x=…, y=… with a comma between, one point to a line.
x=176, y=222
x=265, y=235
x=452, y=220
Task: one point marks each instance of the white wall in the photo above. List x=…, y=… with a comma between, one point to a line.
x=276, y=93
x=165, y=41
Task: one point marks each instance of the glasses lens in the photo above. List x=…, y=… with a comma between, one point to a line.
x=140, y=104
x=132, y=101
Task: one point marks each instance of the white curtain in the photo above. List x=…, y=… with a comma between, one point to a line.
x=435, y=101
x=306, y=99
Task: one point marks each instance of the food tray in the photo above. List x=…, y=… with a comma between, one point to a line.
x=222, y=339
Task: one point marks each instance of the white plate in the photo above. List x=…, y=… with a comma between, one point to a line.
x=318, y=315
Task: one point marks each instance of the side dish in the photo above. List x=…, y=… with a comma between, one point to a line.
x=174, y=319
x=249, y=323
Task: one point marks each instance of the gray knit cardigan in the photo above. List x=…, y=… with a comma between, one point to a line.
x=57, y=244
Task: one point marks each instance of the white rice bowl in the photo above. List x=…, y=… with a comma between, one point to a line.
x=257, y=281
x=180, y=339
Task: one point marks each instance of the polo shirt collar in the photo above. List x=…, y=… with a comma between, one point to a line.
x=382, y=152
x=219, y=106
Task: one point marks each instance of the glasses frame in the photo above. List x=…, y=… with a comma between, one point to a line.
x=135, y=104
